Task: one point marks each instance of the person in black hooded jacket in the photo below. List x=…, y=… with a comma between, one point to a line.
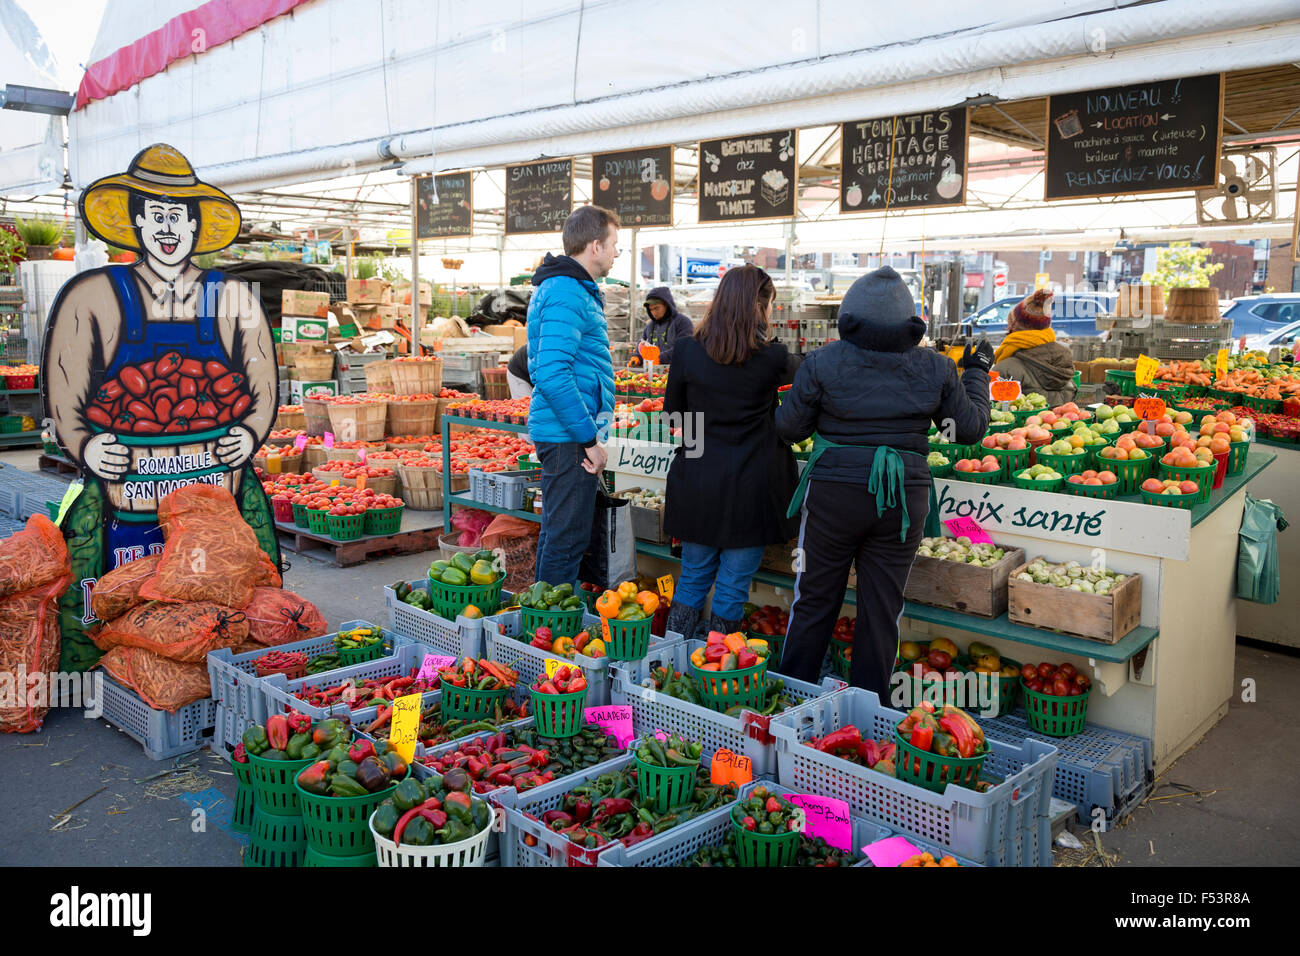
x=666, y=324
x=868, y=400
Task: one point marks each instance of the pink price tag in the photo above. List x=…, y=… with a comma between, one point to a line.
x=432, y=662
x=890, y=851
x=361, y=454
x=615, y=720
x=968, y=528
x=300, y=442
x=328, y=442
x=827, y=818
x=660, y=735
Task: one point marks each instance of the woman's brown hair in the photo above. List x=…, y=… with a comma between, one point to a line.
x=735, y=325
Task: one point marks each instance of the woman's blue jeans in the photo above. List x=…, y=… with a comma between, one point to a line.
x=728, y=571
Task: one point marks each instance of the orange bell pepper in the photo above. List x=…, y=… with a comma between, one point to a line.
x=609, y=604
x=562, y=645
x=627, y=591
x=649, y=602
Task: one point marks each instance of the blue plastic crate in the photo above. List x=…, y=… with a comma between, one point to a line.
x=462, y=637
x=747, y=735
x=1009, y=825
x=160, y=733
x=499, y=633
x=1096, y=768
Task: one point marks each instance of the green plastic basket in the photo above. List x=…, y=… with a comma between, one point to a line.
x=1055, y=716
x=1238, y=451
x=360, y=655
x=1127, y=426
x=978, y=477
x=1204, y=478
x=933, y=771
x=1065, y=464
x=1105, y=492
x=746, y=686
x=340, y=826
x=468, y=703
x=841, y=659
x=314, y=858
x=1024, y=414
x=562, y=623
x=914, y=690
x=764, y=849
x=1011, y=461
x=1186, y=502
x=559, y=715
x=300, y=515
x=951, y=451
x=10, y=424
x=1266, y=406
x=774, y=643
x=346, y=527
x=318, y=521
x=664, y=788
x=276, y=839
x=995, y=427
x=384, y=520
x=273, y=785
x=941, y=471
x=1008, y=687
x=1131, y=473
x=241, y=818
x=1030, y=484
x=450, y=600
x=628, y=640
x=1127, y=381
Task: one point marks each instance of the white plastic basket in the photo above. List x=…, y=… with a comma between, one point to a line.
x=471, y=852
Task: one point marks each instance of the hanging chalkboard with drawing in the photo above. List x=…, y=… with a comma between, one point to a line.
x=539, y=196
x=635, y=183
x=749, y=177
x=447, y=211
x=1143, y=138
x=905, y=161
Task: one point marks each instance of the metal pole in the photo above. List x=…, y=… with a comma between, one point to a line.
x=417, y=318
x=631, y=293
x=789, y=252
x=347, y=238
x=501, y=260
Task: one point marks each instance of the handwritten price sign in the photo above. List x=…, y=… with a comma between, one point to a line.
x=1149, y=409
x=968, y=528
x=665, y=587
x=406, y=726
x=615, y=720
x=432, y=664
x=728, y=767
x=1006, y=390
x=827, y=818
x=1221, y=363
x=1144, y=372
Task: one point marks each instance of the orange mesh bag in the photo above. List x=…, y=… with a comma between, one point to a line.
x=163, y=684
x=34, y=572
x=119, y=590
x=248, y=645
x=279, y=617
x=179, y=632
x=211, y=553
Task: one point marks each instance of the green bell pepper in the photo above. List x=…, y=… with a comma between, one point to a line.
x=571, y=603
x=631, y=612
x=255, y=741
x=418, y=832
x=401, y=589
x=385, y=819
x=454, y=831
x=462, y=562
x=342, y=785
x=455, y=577
x=409, y=793
x=293, y=749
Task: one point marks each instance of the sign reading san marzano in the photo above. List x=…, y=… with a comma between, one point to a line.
x=539, y=196
x=444, y=206
x=905, y=161
x=749, y=177
x=1148, y=137
x=635, y=183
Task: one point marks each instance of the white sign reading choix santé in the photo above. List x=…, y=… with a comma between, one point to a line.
x=1117, y=525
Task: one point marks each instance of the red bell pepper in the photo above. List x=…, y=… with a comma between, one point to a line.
x=922, y=736
x=277, y=731
x=845, y=740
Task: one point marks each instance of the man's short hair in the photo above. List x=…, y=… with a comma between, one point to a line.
x=585, y=225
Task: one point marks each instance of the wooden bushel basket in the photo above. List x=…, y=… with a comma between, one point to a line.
x=417, y=377
x=316, y=417
x=1193, y=306
x=379, y=376
x=364, y=422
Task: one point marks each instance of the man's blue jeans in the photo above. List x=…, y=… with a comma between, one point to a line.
x=729, y=572
x=568, y=509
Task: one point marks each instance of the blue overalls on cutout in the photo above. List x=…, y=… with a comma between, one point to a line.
x=133, y=534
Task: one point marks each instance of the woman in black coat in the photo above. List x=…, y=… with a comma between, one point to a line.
x=731, y=479
x=869, y=400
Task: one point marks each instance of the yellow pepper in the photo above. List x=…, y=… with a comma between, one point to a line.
x=627, y=591
x=697, y=657
x=594, y=648
x=649, y=602
x=608, y=604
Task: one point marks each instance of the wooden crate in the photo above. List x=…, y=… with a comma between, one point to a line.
x=779, y=557
x=1105, y=618
x=647, y=523
x=963, y=587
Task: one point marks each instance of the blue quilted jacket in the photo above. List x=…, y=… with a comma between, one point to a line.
x=568, y=355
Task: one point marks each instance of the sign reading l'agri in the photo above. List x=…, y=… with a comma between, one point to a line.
x=1096, y=523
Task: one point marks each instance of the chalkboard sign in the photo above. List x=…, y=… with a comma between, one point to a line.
x=451, y=214
x=928, y=167
x=1144, y=138
x=635, y=183
x=539, y=196
x=749, y=177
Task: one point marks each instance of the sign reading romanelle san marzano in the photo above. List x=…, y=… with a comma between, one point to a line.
x=451, y=214
x=1149, y=137
x=539, y=196
x=929, y=161
x=635, y=183
x=749, y=177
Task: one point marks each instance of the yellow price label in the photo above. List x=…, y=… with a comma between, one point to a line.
x=553, y=665
x=405, y=726
x=1145, y=372
x=666, y=587
x=1220, y=364
x=273, y=464
x=334, y=482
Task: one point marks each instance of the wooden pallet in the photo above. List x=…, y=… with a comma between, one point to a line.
x=56, y=464
x=419, y=532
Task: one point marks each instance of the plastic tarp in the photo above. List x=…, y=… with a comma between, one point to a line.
x=31, y=144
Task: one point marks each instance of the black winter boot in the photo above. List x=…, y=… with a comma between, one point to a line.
x=682, y=619
x=718, y=624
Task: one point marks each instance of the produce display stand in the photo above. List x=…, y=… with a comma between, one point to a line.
x=1276, y=623
x=418, y=532
x=462, y=499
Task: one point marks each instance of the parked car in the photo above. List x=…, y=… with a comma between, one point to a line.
x=1074, y=315
x=1284, y=337
x=1262, y=315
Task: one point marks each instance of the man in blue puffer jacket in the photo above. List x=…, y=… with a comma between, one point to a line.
x=573, y=387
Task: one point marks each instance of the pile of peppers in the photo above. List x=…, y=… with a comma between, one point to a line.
x=764, y=812
x=293, y=736
x=434, y=730
x=673, y=752
x=433, y=812
x=950, y=732
x=523, y=759
x=479, y=675
x=353, y=771
x=359, y=692
x=813, y=851
x=849, y=744
x=683, y=687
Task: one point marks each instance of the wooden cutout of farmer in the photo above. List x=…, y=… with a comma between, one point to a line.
x=156, y=375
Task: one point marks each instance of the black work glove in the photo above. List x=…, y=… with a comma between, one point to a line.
x=978, y=356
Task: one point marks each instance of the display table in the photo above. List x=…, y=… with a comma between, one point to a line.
x=1277, y=623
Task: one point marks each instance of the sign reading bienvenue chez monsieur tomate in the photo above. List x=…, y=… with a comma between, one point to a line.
x=1119, y=525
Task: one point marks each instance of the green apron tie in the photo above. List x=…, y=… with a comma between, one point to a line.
x=885, y=481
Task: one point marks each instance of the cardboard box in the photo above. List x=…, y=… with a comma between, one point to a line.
x=303, y=303
x=298, y=329
x=402, y=293
x=376, y=317
x=298, y=389
x=369, y=292
x=518, y=334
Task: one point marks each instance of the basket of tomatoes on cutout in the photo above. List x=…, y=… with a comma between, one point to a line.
x=1056, y=698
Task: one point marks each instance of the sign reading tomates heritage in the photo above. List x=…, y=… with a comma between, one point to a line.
x=905, y=161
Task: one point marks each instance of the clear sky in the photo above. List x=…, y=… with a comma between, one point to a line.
x=69, y=28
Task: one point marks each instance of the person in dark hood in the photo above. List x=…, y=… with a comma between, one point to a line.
x=521, y=385
x=666, y=324
x=868, y=401
x=1030, y=353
